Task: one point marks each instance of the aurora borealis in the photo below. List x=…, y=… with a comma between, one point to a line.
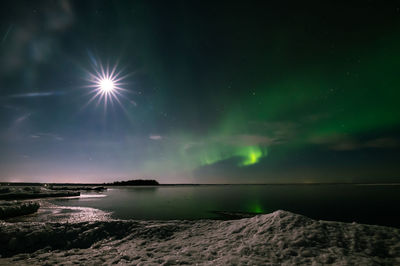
x=214, y=92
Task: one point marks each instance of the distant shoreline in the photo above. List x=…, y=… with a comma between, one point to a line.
x=190, y=184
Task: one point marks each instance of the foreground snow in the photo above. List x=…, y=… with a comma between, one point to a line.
x=277, y=238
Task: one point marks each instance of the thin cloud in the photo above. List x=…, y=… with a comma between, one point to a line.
x=284, y=131
x=47, y=135
x=37, y=94
x=248, y=140
x=346, y=143
x=155, y=137
x=6, y=34
x=382, y=143
x=22, y=118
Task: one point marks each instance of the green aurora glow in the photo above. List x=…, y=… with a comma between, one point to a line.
x=302, y=110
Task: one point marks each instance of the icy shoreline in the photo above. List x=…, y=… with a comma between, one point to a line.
x=14, y=200
x=10, y=209
x=21, y=193
x=277, y=238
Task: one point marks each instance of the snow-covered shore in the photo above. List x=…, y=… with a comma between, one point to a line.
x=30, y=192
x=15, y=208
x=14, y=203
x=281, y=238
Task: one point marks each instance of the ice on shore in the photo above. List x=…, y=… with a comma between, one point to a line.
x=17, y=208
x=281, y=238
x=14, y=205
x=31, y=192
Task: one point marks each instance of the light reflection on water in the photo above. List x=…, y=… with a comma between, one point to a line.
x=82, y=196
x=49, y=212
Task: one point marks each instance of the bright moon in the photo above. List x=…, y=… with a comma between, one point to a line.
x=106, y=84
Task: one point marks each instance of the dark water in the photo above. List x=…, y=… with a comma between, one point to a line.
x=372, y=204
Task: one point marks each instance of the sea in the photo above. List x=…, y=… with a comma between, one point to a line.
x=360, y=203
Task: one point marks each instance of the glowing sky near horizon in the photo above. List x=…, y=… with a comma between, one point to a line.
x=193, y=93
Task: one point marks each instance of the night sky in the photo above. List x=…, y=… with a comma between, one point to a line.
x=210, y=91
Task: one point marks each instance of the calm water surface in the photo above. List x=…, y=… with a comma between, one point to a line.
x=372, y=204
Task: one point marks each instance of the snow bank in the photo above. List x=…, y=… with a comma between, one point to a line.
x=13, y=193
x=280, y=238
x=14, y=208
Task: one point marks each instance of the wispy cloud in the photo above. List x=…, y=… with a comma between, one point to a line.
x=155, y=137
x=346, y=143
x=47, y=135
x=6, y=34
x=37, y=94
x=11, y=107
x=248, y=140
x=22, y=118
x=284, y=130
x=382, y=143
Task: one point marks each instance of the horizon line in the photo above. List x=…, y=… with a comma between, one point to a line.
x=205, y=184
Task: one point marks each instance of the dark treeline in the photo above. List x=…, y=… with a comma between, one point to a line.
x=137, y=182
